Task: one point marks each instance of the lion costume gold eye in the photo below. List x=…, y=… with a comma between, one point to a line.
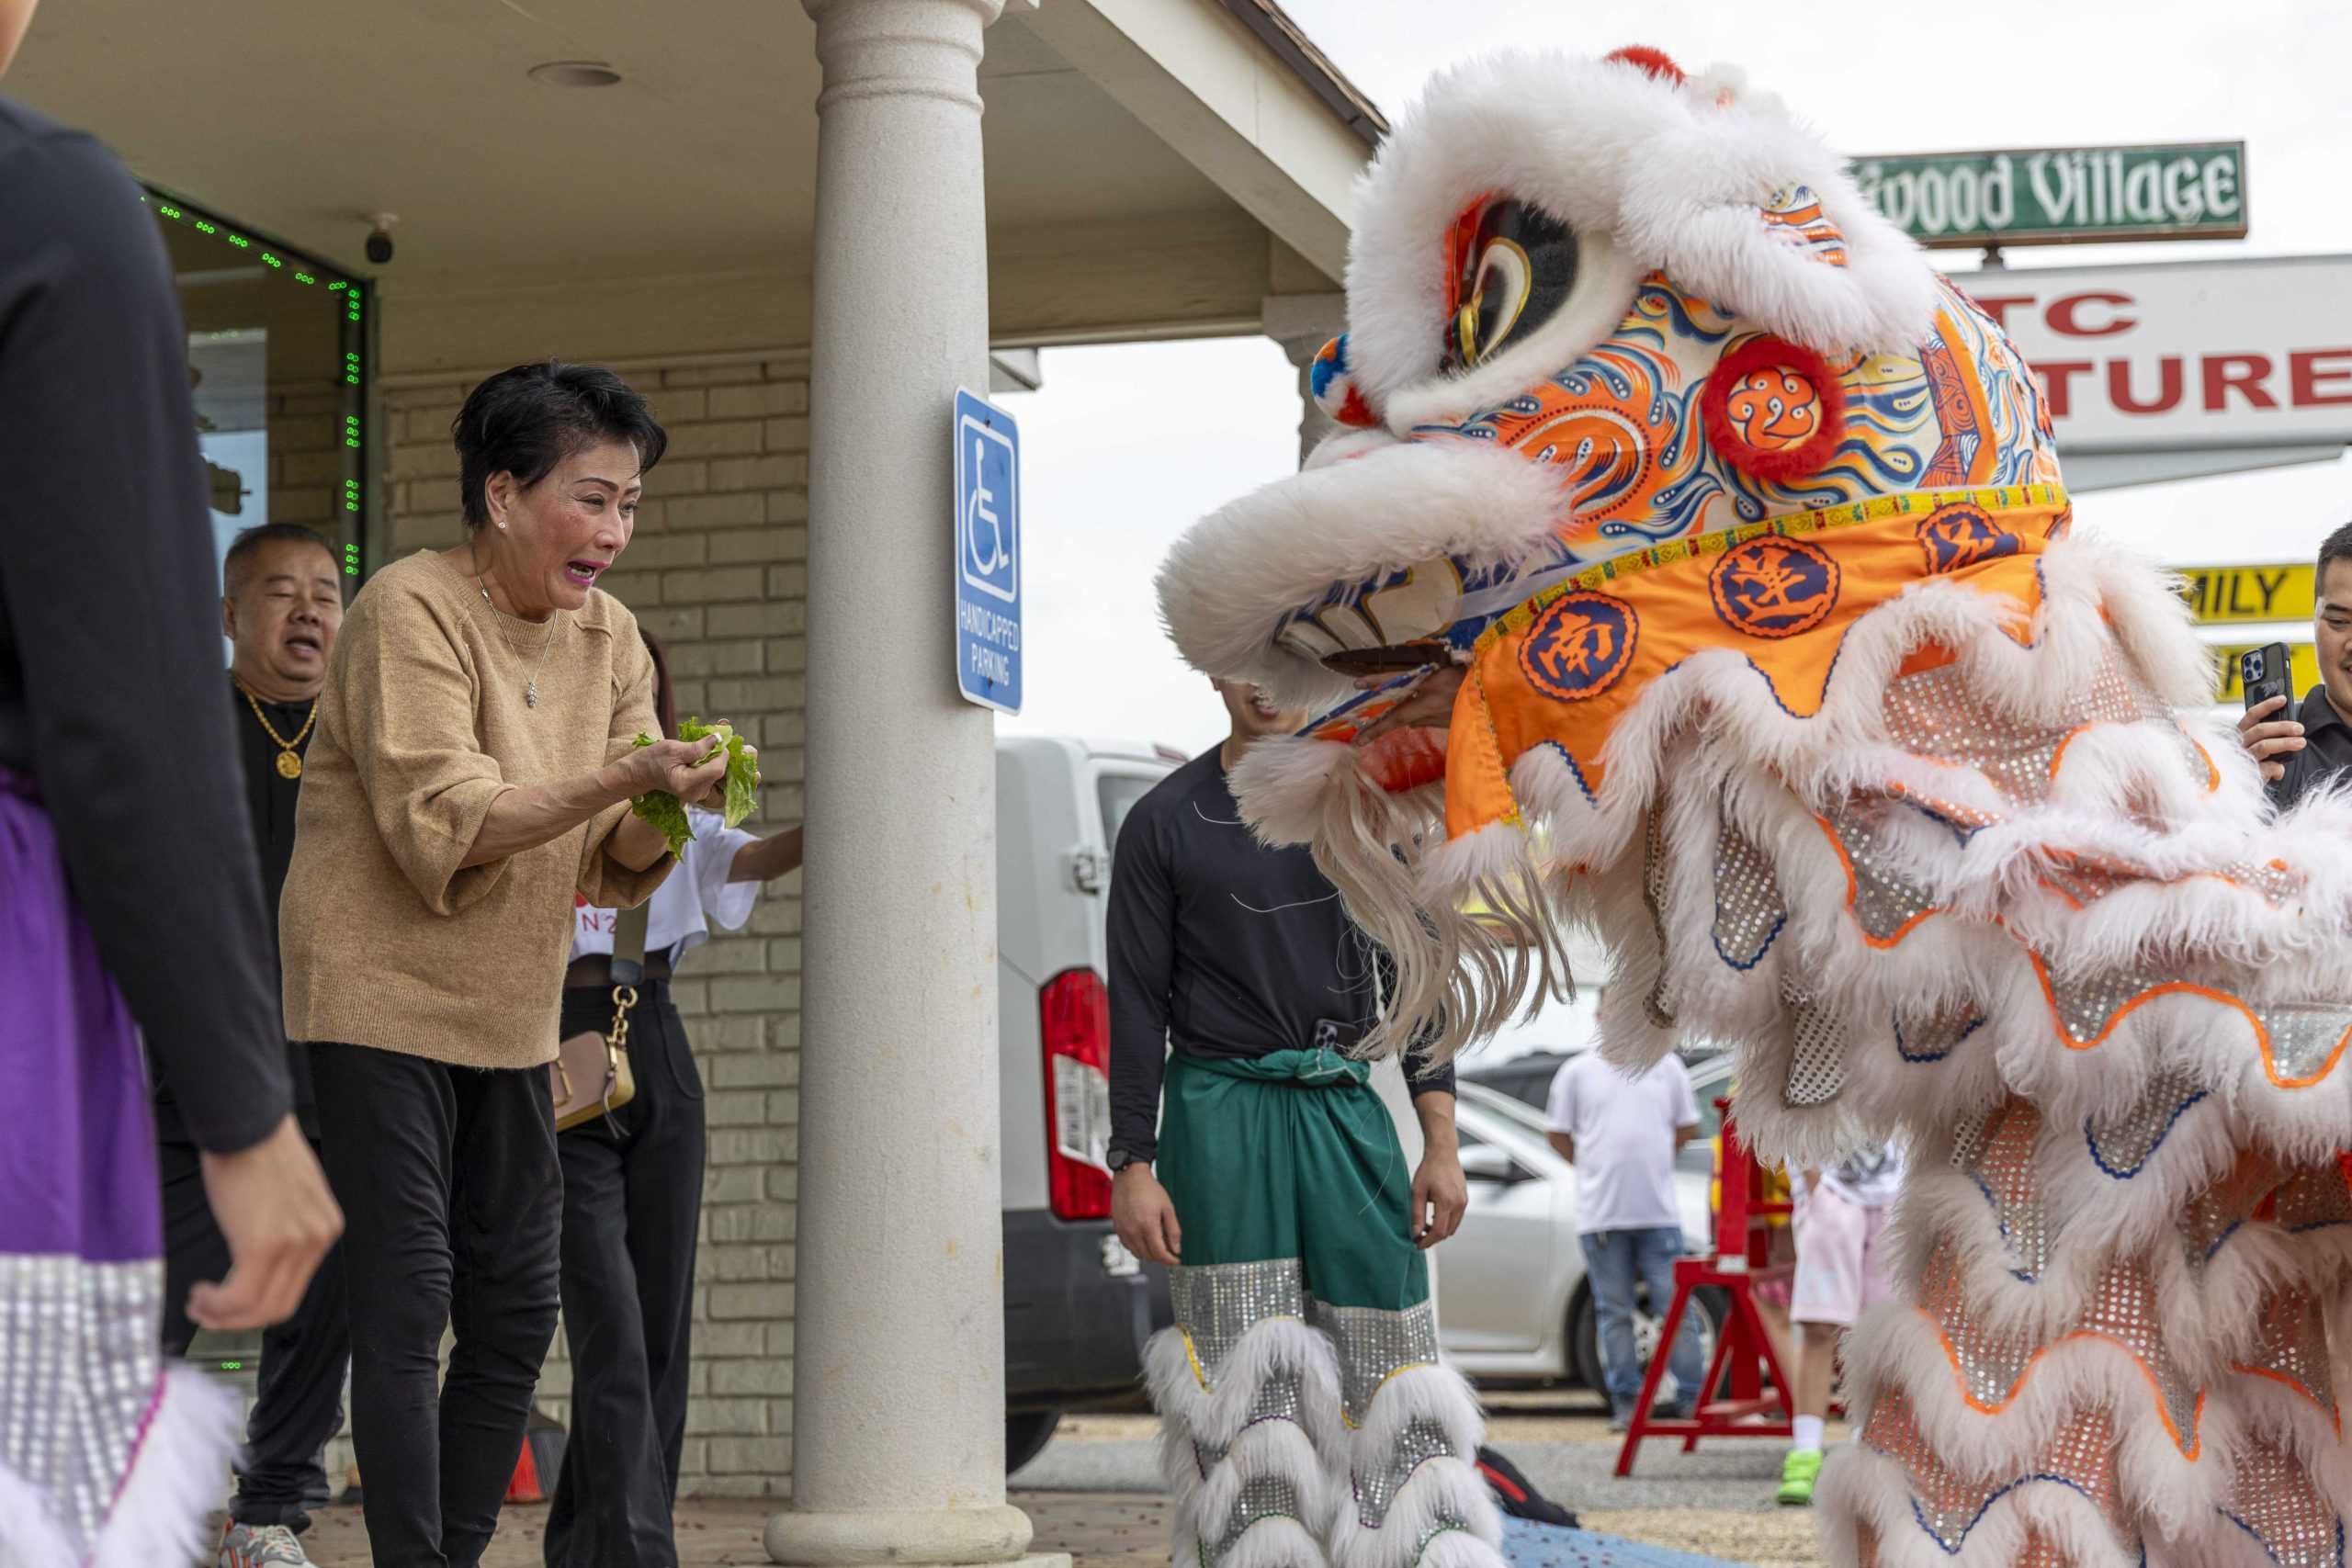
x=1510, y=268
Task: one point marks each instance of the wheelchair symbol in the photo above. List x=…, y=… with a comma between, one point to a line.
x=979, y=509
x=990, y=521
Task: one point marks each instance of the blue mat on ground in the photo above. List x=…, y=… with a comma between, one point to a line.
x=1529, y=1545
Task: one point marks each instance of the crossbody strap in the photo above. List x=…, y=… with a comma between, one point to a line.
x=628, y=946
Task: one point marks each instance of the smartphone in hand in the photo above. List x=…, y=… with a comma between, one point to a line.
x=2263, y=672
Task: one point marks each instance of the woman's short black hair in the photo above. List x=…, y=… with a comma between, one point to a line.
x=526, y=421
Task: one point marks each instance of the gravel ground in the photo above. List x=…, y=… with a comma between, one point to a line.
x=1780, y=1538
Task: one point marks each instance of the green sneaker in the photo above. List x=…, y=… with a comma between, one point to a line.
x=1798, y=1472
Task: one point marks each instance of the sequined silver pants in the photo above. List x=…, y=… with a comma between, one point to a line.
x=1300, y=1433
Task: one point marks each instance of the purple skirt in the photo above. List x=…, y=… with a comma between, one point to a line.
x=103, y=1460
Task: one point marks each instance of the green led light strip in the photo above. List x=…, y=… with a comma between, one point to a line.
x=308, y=273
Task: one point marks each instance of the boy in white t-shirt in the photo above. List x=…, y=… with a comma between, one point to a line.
x=1620, y=1132
x=1841, y=1218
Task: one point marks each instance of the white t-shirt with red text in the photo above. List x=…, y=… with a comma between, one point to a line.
x=682, y=910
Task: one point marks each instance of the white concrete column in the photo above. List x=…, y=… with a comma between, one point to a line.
x=1301, y=324
x=898, y=1378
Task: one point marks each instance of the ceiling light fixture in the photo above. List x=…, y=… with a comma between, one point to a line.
x=575, y=73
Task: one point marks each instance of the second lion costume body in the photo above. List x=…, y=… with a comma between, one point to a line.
x=1781, y=672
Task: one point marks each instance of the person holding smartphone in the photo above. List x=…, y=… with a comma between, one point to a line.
x=2313, y=747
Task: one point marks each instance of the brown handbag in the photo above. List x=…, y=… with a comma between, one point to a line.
x=590, y=1075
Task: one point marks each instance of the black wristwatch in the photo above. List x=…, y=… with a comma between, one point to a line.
x=1119, y=1159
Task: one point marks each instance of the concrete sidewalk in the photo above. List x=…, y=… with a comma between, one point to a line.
x=1095, y=1494
x=1101, y=1529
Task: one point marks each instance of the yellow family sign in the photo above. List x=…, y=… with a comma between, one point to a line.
x=2277, y=592
x=2301, y=657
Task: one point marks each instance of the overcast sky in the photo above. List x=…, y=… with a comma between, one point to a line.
x=1126, y=446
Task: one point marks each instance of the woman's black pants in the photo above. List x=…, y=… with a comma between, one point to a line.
x=452, y=1201
x=632, y=1203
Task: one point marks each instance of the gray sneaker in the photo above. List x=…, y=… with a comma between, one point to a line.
x=261, y=1546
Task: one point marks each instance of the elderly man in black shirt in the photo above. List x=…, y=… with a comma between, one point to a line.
x=281, y=606
x=2315, y=747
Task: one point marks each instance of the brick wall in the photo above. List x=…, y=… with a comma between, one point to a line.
x=306, y=459
x=719, y=569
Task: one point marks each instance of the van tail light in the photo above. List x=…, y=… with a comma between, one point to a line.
x=1076, y=1026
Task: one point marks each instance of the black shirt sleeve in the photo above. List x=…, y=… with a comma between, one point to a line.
x=108, y=590
x=1421, y=1081
x=1418, y=1077
x=1142, y=921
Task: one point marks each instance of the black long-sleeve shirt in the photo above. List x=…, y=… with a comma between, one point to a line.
x=2326, y=755
x=270, y=800
x=109, y=626
x=1220, y=947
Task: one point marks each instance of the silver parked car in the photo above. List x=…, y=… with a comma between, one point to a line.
x=1513, y=1300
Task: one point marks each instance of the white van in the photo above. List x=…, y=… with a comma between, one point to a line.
x=1078, y=1308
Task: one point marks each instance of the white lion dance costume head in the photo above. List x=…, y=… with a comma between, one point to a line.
x=1781, y=673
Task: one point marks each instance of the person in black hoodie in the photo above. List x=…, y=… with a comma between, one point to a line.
x=128, y=883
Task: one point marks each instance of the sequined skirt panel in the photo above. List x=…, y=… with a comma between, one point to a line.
x=2038, y=928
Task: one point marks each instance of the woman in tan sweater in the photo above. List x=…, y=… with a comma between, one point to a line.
x=472, y=773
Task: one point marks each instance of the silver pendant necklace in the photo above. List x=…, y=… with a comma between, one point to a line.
x=530, y=690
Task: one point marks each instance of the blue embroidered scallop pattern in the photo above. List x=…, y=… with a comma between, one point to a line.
x=2123, y=1171
x=1921, y=1058
x=2267, y=1550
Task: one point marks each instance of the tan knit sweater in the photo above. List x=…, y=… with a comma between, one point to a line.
x=422, y=724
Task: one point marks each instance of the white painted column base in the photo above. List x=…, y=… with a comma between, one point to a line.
x=995, y=1537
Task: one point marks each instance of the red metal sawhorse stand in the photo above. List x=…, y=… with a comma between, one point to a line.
x=1742, y=1350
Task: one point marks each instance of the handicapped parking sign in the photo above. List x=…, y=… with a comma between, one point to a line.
x=987, y=554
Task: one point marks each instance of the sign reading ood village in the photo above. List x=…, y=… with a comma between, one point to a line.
x=2042, y=197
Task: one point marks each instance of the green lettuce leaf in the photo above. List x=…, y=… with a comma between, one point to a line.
x=664, y=810
x=742, y=767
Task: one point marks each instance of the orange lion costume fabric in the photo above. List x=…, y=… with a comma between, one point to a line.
x=1745, y=536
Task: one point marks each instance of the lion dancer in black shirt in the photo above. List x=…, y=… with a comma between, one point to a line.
x=1307, y=1419
x=281, y=606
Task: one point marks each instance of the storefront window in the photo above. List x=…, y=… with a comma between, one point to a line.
x=278, y=360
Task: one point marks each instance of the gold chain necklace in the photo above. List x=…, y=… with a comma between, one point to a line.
x=530, y=692
x=289, y=761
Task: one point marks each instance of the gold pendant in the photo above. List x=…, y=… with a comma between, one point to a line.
x=289, y=766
